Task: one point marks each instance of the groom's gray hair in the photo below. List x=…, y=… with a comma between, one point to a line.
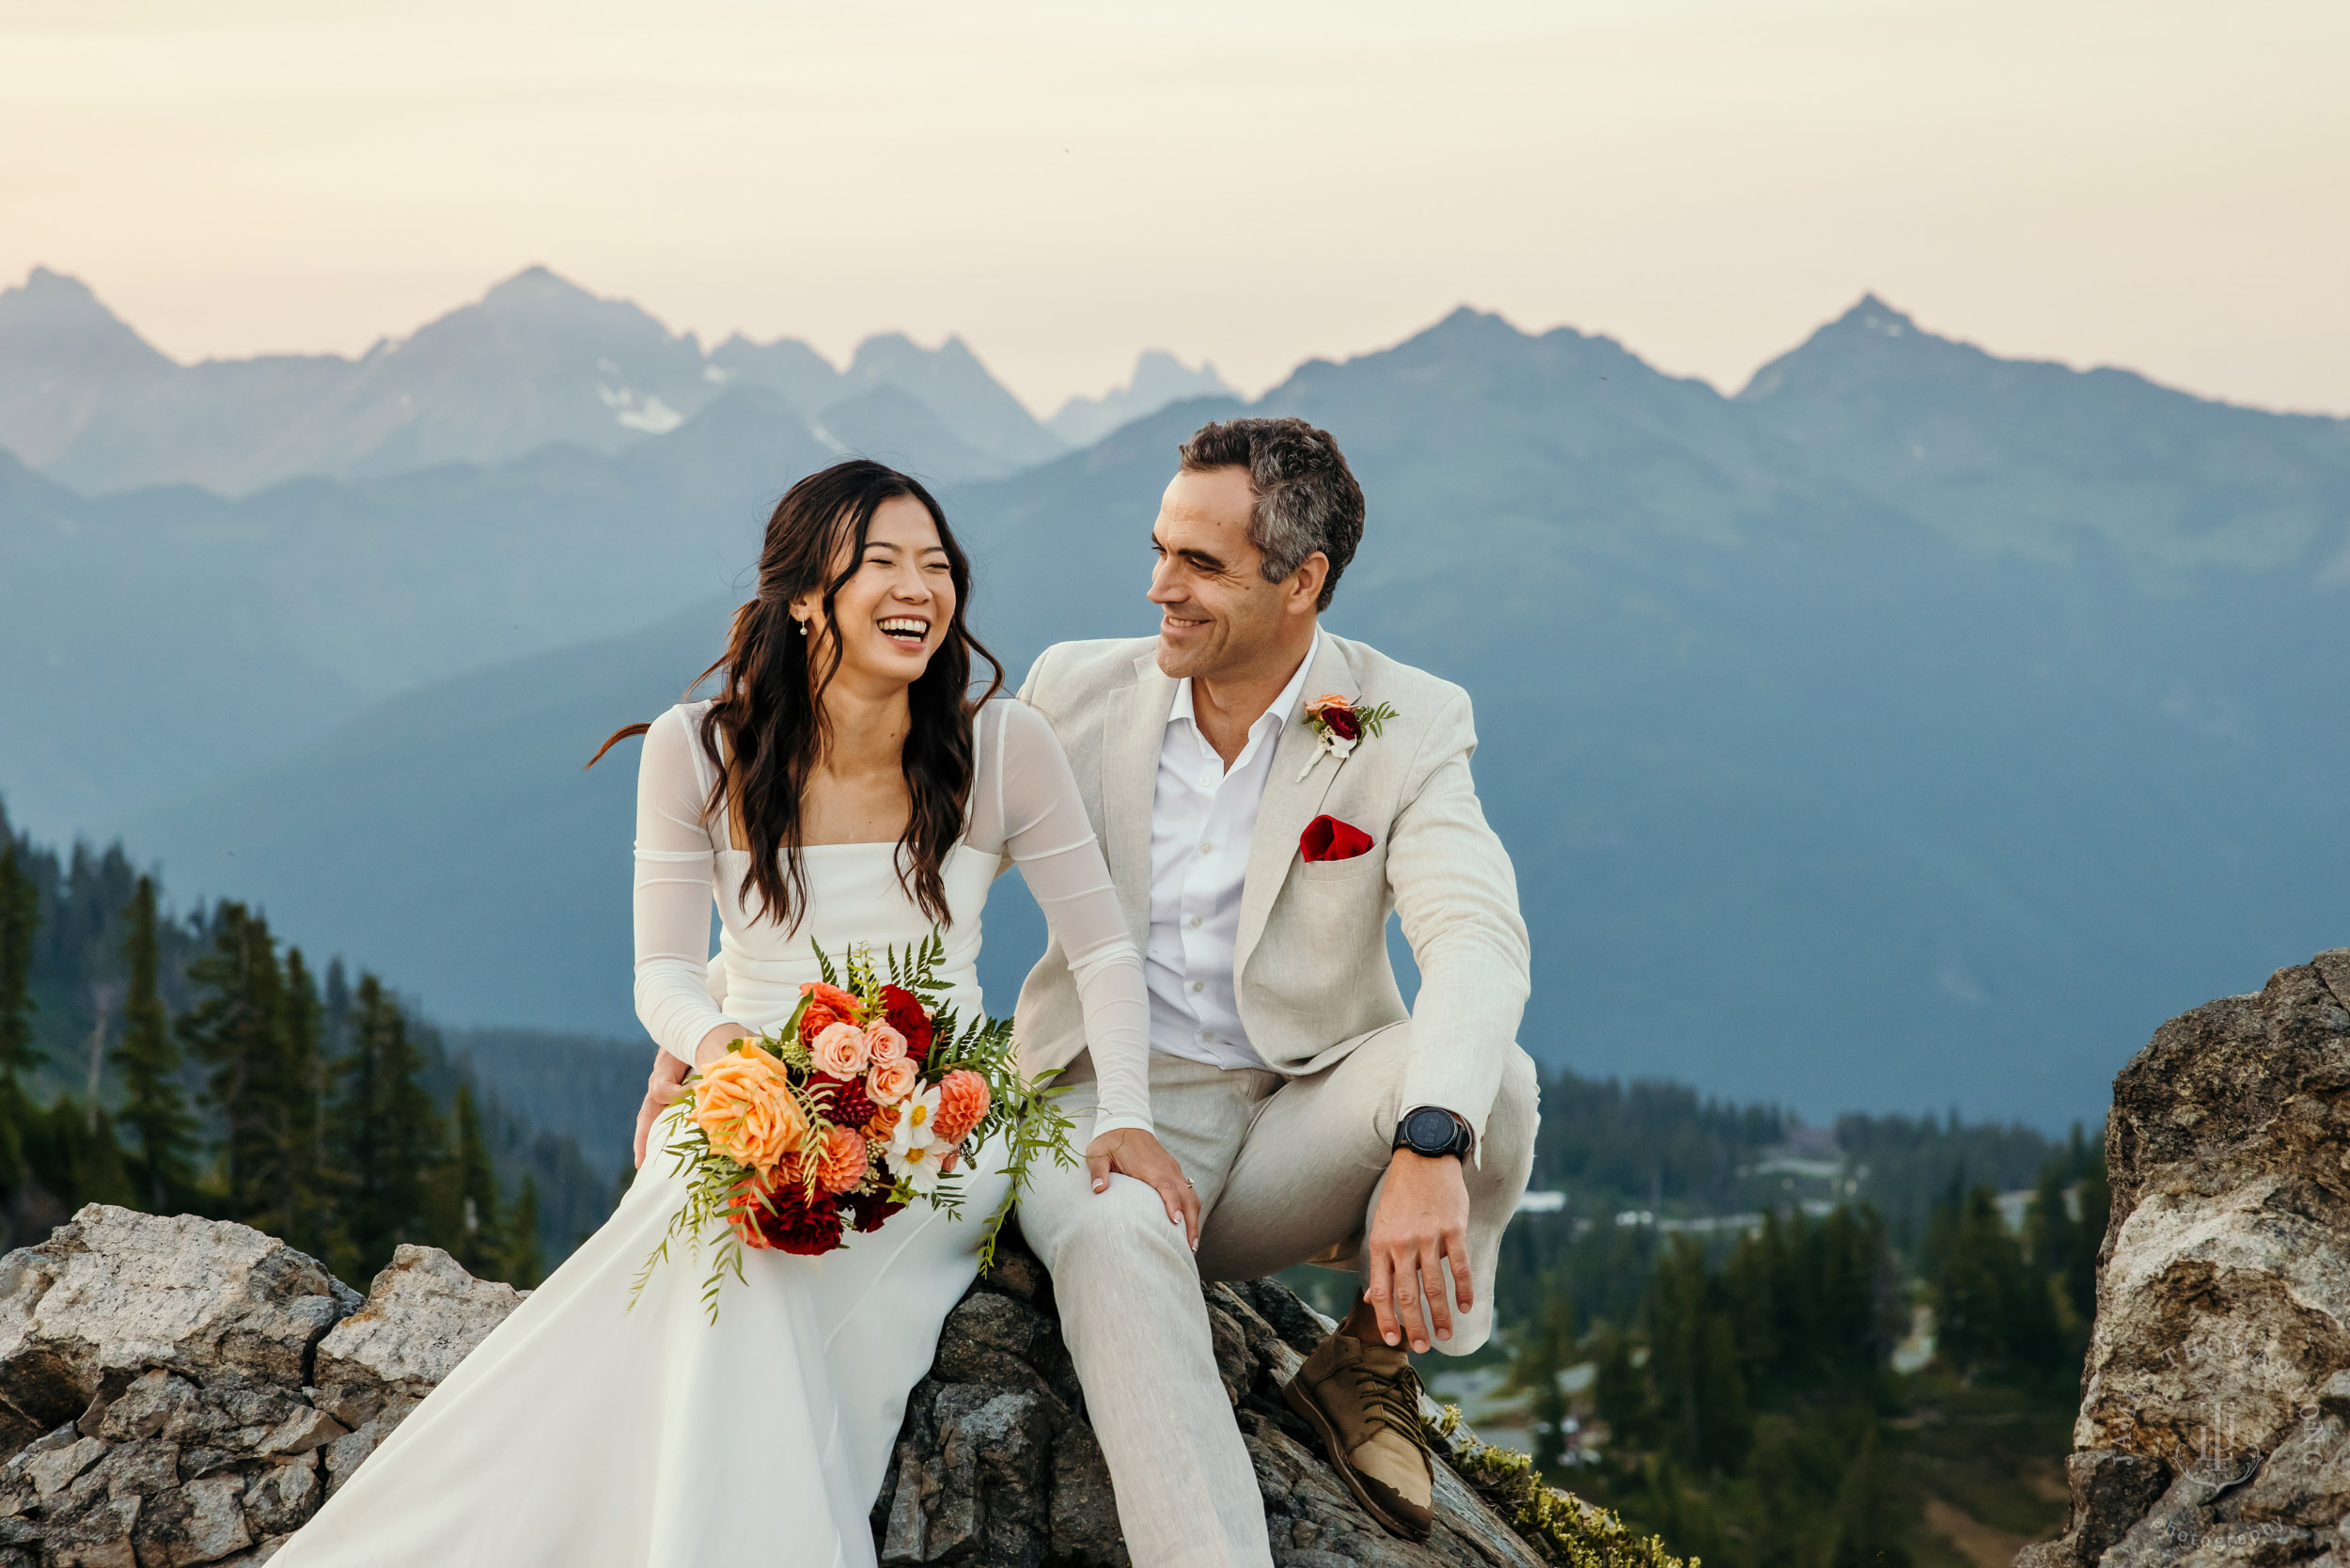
x=1306, y=496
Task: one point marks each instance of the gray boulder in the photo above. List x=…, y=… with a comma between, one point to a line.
x=2215, y=1417
x=160, y=1385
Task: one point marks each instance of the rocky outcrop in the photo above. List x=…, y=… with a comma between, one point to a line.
x=184, y=1391
x=181, y=1390
x=2215, y=1419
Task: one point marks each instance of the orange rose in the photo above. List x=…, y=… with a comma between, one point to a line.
x=891, y=1081
x=841, y=1164
x=963, y=1099
x=742, y=1104
x=885, y=1043
x=884, y=1121
x=821, y=994
x=816, y=1019
x=841, y=1050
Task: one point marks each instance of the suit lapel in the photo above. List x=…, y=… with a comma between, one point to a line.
x=1132, y=738
x=1289, y=803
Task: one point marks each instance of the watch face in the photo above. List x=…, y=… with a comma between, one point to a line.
x=1430, y=1129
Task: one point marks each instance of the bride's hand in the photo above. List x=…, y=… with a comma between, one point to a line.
x=1132, y=1152
x=663, y=1086
x=668, y=1079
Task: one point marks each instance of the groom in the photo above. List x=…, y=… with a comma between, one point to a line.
x=1259, y=837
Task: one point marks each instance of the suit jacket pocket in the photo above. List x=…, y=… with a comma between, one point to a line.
x=1360, y=867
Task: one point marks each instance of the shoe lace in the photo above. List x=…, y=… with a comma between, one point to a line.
x=1392, y=1400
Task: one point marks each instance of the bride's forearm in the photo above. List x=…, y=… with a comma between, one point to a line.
x=717, y=1043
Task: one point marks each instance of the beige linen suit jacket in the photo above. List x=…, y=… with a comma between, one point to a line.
x=1312, y=967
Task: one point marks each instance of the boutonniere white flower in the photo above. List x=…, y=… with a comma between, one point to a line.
x=1340, y=726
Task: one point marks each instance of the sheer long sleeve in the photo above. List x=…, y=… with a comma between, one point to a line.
x=672, y=892
x=1047, y=836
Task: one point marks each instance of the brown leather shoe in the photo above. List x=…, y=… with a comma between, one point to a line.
x=1364, y=1400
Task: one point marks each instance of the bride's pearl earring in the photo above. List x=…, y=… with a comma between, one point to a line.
x=802, y=628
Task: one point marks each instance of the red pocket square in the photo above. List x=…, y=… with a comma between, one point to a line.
x=1327, y=839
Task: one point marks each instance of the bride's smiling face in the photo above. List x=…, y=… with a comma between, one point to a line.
x=896, y=607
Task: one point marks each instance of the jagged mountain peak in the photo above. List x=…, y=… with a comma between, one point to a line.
x=54, y=316
x=1159, y=379
x=1863, y=341
x=1872, y=314
x=536, y=286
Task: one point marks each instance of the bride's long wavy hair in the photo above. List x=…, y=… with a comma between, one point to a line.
x=770, y=710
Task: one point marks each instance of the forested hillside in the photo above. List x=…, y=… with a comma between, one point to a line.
x=201, y=1063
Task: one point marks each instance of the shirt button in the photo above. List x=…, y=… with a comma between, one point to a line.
x=1198, y=985
x=1207, y=848
x=1195, y=922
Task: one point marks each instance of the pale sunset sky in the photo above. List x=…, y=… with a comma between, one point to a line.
x=2159, y=185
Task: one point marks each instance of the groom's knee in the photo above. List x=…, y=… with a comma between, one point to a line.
x=1106, y=1234
x=1516, y=1114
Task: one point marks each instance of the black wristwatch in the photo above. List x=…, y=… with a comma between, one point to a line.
x=1433, y=1131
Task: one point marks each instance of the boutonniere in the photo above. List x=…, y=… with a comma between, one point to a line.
x=1341, y=726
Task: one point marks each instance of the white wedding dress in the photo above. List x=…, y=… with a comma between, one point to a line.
x=585, y=1434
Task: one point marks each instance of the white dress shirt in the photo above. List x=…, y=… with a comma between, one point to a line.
x=1201, y=816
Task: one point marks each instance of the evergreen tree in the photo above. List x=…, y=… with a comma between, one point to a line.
x=465, y=1194
x=238, y=1028
x=1694, y=1365
x=1620, y=1394
x=154, y=1107
x=20, y=915
x=1870, y=1517
x=384, y=1135
x=95, y=1170
x=305, y=1205
x=1993, y=1310
x=2090, y=1237
x=526, y=1264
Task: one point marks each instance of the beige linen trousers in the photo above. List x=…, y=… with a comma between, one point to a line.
x=1287, y=1161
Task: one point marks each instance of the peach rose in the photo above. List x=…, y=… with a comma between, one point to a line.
x=884, y=1119
x=841, y=1050
x=742, y=1104
x=841, y=1164
x=885, y=1043
x=963, y=1099
x=891, y=1081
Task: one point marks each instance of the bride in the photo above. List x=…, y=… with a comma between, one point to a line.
x=842, y=787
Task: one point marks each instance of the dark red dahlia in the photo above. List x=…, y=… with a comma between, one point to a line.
x=866, y=1210
x=845, y=1101
x=791, y=1221
x=905, y=1012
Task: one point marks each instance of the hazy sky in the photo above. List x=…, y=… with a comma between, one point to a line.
x=2160, y=185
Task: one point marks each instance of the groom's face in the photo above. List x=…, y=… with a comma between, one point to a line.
x=1217, y=615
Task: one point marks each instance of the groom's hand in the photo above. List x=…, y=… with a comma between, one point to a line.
x=1132, y=1152
x=1422, y=1224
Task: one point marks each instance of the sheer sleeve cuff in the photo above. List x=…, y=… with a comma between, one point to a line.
x=1104, y=1122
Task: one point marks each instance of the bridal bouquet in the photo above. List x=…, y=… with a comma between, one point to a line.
x=868, y=1098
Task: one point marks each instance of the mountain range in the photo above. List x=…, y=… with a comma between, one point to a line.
x=538, y=359
x=1914, y=728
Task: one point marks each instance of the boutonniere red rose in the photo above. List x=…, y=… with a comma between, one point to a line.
x=1340, y=726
